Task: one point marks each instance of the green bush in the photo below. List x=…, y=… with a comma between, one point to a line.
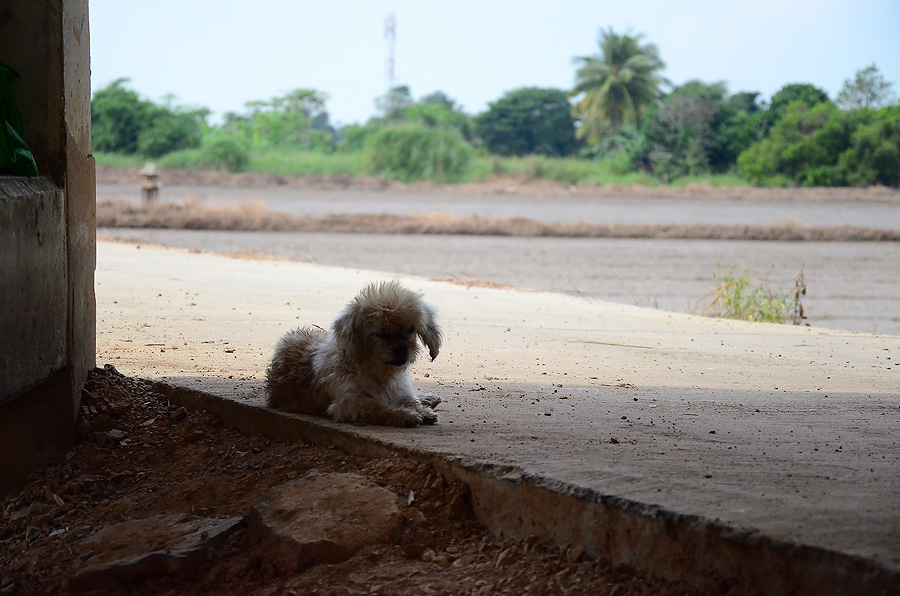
x=308, y=163
x=224, y=151
x=737, y=133
x=297, y=120
x=694, y=130
x=186, y=159
x=824, y=146
x=410, y=152
x=679, y=128
x=118, y=117
x=353, y=137
x=441, y=116
x=874, y=153
x=612, y=169
x=168, y=132
x=529, y=120
x=789, y=95
x=218, y=152
x=122, y=122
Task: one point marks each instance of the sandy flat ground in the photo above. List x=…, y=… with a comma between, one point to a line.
x=851, y=285
x=802, y=208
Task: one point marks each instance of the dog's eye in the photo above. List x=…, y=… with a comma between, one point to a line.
x=411, y=330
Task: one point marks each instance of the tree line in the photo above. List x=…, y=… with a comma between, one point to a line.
x=621, y=111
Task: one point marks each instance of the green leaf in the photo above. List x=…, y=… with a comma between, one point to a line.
x=15, y=157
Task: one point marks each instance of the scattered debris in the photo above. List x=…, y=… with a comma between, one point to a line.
x=58, y=531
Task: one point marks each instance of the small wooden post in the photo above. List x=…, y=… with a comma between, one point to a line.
x=150, y=184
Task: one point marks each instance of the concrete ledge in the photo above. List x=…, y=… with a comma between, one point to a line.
x=33, y=295
x=708, y=554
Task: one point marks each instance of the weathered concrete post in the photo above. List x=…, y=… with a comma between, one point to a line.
x=48, y=230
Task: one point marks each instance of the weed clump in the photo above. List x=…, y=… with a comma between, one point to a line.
x=742, y=297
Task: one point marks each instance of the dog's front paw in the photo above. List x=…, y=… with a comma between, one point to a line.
x=429, y=400
x=404, y=417
x=428, y=415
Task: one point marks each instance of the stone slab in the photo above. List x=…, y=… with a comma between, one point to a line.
x=160, y=545
x=322, y=518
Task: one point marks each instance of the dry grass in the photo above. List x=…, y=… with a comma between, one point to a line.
x=255, y=217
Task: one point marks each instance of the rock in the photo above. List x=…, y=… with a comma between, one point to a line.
x=322, y=518
x=575, y=554
x=118, y=408
x=414, y=550
x=197, y=435
x=505, y=558
x=109, y=369
x=84, y=430
x=158, y=545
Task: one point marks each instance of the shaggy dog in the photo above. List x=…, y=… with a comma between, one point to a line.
x=358, y=372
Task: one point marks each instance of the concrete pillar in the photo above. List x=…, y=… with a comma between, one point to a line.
x=48, y=232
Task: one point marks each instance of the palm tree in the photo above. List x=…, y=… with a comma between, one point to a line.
x=618, y=84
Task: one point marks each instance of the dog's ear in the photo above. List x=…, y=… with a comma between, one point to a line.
x=348, y=325
x=429, y=331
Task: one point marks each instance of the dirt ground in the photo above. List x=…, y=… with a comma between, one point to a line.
x=521, y=185
x=138, y=455
x=256, y=217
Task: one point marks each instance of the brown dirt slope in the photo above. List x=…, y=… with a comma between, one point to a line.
x=138, y=456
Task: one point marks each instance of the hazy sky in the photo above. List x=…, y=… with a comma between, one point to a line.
x=222, y=53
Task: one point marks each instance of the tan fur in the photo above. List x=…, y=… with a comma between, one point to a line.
x=359, y=371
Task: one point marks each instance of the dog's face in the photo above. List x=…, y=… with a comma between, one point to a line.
x=382, y=324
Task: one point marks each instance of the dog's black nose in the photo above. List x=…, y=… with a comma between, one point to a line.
x=399, y=355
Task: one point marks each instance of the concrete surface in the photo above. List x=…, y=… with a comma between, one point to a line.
x=850, y=287
x=756, y=455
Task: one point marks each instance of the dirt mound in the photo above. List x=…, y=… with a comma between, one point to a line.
x=139, y=456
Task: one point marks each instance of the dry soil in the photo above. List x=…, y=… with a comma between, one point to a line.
x=138, y=456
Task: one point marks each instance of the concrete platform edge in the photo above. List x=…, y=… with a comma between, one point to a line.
x=707, y=554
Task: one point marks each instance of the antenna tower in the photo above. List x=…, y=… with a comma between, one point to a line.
x=390, y=34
